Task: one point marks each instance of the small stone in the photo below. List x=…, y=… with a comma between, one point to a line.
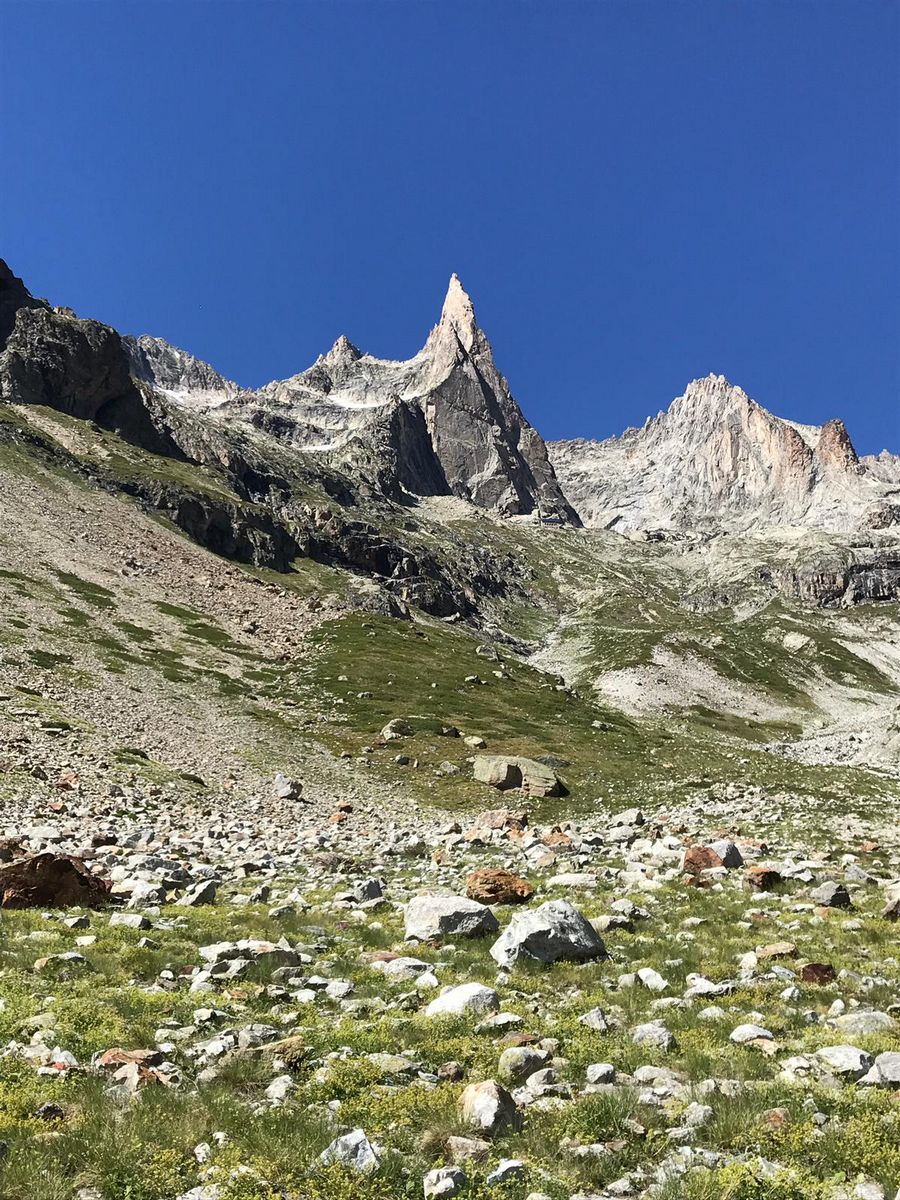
x=443, y=1181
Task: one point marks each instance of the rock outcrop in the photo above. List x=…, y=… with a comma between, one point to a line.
x=717, y=459
x=176, y=373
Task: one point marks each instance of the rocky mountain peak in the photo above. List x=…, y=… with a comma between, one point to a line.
x=835, y=449
x=178, y=374
x=458, y=314
x=343, y=351
x=717, y=459
x=13, y=296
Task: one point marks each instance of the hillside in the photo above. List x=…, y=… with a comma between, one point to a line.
x=268, y=661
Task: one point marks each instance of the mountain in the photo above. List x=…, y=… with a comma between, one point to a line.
x=276, y=659
x=441, y=423
x=718, y=460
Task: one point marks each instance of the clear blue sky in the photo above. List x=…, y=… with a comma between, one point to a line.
x=635, y=192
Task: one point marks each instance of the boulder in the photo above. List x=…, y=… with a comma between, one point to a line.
x=494, y=885
x=555, y=930
x=396, y=729
x=443, y=1181
x=51, y=881
x=728, y=852
x=831, y=895
x=432, y=917
x=475, y=998
x=488, y=1106
x=203, y=892
x=518, y=1062
x=700, y=858
x=502, y=818
x=506, y=772
x=353, y=1150
x=762, y=879
x=885, y=1071
x=284, y=788
x=847, y=1061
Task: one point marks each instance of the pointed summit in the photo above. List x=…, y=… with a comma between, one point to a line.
x=458, y=313
x=343, y=350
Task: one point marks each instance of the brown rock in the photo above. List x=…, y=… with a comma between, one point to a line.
x=10, y=849
x=817, y=972
x=700, y=858
x=775, y=1119
x=460, y=1149
x=117, y=1057
x=762, y=879
x=493, y=885
x=502, y=818
x=451, y=1071
x=51, y=881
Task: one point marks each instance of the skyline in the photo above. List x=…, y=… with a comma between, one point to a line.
x=675, y=190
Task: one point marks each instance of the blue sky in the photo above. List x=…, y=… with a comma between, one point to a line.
x=635, y=193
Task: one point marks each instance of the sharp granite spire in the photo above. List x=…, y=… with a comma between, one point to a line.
x=458, y=313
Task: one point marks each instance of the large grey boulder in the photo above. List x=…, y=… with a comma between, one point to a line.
x=847, y=1061
x=430, y=917
x=885, y=1072
x=555, y=930
x=506, y=772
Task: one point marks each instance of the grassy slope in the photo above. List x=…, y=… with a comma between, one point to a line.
x=374, y=669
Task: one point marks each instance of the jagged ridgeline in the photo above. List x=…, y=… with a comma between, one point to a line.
x=319, y=465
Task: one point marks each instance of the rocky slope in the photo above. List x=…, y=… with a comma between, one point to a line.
x=718, y=460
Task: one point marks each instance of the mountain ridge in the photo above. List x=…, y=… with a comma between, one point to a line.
x=444, y=422
x=716, y=457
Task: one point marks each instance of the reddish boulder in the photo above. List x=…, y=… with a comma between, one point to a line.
x=493, y=885
x=700, y=858
x=51, y=881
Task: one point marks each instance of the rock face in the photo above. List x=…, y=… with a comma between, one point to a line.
x=177, y=373
x=717, y=459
